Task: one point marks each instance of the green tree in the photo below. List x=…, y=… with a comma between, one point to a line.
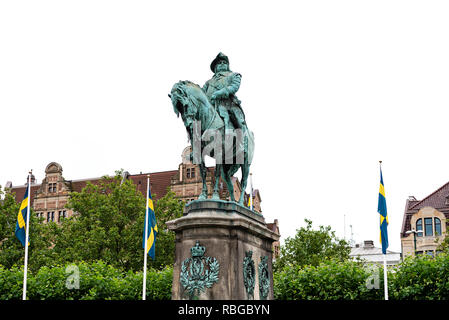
x=11, y=250
x=166, y=208
x=108, y=226
x=311, y=247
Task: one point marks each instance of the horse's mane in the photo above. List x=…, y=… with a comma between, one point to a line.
x=180, y=89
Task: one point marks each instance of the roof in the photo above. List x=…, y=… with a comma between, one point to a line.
x=159, y=182
x=368, y=251
x=274, y=226
x=373, y=254
x=437, y=199
x=20, y=192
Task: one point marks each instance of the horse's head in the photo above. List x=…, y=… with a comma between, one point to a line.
x=184, y=102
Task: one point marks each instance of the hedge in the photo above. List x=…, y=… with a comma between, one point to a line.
x=97, y=281
x=420, y=278
x=331, y=280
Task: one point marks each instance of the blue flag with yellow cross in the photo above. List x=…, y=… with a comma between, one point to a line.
x=22, y=218
x=382, y=209
x=150, y=219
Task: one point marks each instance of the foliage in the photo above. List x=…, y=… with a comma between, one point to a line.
x=443, y=246
x=330, y=280
x=311, y=247
x=109, y=226
x=421, y=278
x=97, y=281
x=12, y=251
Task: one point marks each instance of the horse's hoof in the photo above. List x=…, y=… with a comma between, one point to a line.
x=215, y=196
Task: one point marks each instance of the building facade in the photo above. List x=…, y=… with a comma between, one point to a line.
x=424, y=222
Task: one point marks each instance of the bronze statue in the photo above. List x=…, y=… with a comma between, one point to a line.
x=216, y=125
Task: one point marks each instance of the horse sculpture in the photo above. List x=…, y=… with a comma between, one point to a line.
x=202, y=120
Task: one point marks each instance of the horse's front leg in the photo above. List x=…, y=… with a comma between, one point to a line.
x=216, y=195
x=203, y=172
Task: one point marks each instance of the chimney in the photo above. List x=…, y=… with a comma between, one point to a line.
x=33, y=180
x=368, y=244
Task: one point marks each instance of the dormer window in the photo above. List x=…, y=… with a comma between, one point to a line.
x=52, y=187
x=188, y=173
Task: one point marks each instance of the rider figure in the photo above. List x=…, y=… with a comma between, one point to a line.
x=221, y=89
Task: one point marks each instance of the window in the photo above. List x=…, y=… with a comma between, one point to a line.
x=61, y=215
x=50, y=216
x=419, y=227
x=428, y=228
x=192, y=174
x=437, y=227
x=52, y=187
x=430, y=253
x=188, y=173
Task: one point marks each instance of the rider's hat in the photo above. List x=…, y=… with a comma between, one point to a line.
x=218, y=58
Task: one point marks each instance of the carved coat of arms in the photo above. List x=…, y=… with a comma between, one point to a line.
x=249, y=274
x=198, y=272
x=264, y=278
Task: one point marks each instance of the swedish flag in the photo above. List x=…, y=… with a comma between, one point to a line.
x=382, y=209
x=22, y=218
x=150, y=219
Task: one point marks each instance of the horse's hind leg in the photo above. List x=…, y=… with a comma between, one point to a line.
x=216, y=195
x=244, y=181
x=227, y=179
x=203, y=172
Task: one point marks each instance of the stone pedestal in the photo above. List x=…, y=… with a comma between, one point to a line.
x=223, y=252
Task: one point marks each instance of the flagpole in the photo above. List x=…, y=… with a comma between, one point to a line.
x=385, y=277
x=25, y=271
x=385, y=261
x=251, y=195
x=144, y=291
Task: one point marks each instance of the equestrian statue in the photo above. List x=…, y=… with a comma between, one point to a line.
x=216, y=126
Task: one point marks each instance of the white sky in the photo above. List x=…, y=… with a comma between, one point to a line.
x=329, y=88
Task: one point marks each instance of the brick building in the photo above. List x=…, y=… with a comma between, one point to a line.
x=425, y=221
x=49, y=198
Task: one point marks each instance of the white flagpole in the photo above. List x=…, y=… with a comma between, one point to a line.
x=144, y=291
x=385, y=277
x=251, y=195
x=385, y=261
x=25, y=271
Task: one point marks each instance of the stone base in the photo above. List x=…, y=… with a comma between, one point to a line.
x=227, y=232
